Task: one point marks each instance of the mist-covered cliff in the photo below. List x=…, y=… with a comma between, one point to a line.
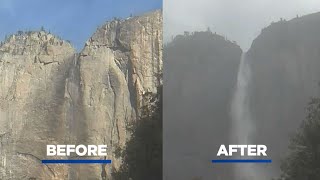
x=285, y=64
x=52, y=95
x=200, y=72
x=200, y=84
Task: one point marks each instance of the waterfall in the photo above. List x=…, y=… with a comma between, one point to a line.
x=72, y=88
x=242, y=122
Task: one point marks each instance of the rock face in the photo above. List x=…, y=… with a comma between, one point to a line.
x=52, y=95
x=200, y=72
x=199, y=80
x=285, y=75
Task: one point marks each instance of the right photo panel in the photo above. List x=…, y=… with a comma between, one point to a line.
x=241, y=90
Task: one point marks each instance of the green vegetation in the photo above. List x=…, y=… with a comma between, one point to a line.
x=303, y=162
x=142, y=156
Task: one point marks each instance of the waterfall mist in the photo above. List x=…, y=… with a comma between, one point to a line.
x=242, y=123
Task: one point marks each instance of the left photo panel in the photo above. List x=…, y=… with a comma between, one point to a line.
x=81, y=89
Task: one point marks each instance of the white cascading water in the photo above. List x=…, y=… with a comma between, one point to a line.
x=240, y=112
x=242, y=123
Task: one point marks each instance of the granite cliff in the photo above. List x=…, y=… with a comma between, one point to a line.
x=50, y=94
x=199, y=76
x=285, y=65
x=200, y=79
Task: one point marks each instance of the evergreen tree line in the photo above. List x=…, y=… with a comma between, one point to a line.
x=303, y=160
x=142, y=156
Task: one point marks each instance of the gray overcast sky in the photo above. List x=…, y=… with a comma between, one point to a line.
x=239, y=20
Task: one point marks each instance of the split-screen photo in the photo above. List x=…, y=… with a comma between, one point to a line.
x=159, y=90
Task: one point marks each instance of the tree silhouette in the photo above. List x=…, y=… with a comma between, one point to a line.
x=142, y=156
x=303, y=162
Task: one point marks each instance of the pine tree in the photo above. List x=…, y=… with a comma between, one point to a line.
x=303, y=161
x=142, y=156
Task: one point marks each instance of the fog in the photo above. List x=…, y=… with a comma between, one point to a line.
x=209, y=100
x=238, y=20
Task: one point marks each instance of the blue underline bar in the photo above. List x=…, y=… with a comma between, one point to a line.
x=76, y=161
x=242, y=161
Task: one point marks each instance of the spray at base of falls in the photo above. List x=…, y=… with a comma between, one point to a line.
x=242, y=123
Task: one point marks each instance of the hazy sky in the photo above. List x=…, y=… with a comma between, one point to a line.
x=73, y=20
x=239, y=20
